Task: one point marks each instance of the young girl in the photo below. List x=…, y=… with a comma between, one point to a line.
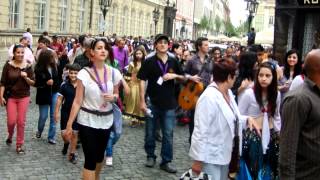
x=263, y=103
x=17, y=77
x=47, y=84
x=66, y=95
x=292, y=68
x=132, y=101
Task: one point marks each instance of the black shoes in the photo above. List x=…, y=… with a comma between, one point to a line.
x=168, y=167
x=8, y=142
x=150, y=162
x=65, y=148
x=73, y=158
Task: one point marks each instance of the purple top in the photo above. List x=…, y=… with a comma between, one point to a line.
x=122, y=56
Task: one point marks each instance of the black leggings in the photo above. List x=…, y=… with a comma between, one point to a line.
x=94, y=143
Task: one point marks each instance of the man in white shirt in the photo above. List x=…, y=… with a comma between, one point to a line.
x=28, y=56
x=28, y=35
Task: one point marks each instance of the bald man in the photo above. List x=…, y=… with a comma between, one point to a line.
x=300, y=132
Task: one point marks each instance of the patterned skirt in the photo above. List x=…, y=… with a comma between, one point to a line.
x=261, y=166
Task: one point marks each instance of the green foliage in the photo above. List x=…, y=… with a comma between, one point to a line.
x=230, y=29
x=217, y=23
x=204, y=23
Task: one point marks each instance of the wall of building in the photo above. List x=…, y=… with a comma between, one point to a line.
x=125, y=17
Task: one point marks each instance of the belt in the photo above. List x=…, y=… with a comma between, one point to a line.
x=95, y=112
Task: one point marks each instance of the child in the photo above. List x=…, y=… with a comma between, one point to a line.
x=65, y=98
x=262, y=102
x=132, y=106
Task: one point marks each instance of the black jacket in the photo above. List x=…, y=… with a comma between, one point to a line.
x=44, y=91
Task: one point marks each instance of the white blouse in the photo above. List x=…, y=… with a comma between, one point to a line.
x=249, y=106
x=93, y=99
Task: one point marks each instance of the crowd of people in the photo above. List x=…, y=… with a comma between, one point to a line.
x=253, y=118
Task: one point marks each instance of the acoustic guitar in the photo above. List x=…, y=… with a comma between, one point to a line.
x=189, y=95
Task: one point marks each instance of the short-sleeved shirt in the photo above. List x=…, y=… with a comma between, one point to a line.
x=93, y=100
x=162, y=96
x=68, y=91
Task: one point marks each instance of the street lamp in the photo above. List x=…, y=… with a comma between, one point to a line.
x=104, y=6
x=252, y=7
x=156, y=15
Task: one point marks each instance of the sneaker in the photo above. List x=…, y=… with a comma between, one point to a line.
x=65, y=148
x=73, y=158
x=150, y=162
x=20, y=150
x=158, y=137
x=168, y=167
x=8, y=142
x=109, y=161
x=51, y=141
x=38, y=135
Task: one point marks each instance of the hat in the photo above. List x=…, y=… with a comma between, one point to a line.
x=160, y=37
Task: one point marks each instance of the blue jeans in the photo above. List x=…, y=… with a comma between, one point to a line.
x=112, y=141
x=167, y=123
x=43, y=115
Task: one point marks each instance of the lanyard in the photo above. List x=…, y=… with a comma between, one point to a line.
x=100, y=84
x=163, y=69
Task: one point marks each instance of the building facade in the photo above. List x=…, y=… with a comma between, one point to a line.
x=297, y=25
x=264, y=18
x=74, y=17
x=184, y=19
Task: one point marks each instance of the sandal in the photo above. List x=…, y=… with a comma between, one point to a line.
x=8, y=142
x=20, y=150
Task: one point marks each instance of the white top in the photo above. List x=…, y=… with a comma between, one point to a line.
x=297, y=81
x=213, y=132
x=249, y=106
x=28, y=36
x=93, y=99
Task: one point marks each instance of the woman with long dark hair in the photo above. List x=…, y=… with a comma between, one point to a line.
x=292, y=68
x=17, y=77
x=246, y=74
x=47, y=84
x=97, y=89
x=263, y=103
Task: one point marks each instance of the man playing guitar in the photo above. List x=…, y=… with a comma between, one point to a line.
x=199, y=70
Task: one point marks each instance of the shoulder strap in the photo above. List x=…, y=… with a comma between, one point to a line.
x=91, y=76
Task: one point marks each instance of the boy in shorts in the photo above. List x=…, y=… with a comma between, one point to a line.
x=66, y=95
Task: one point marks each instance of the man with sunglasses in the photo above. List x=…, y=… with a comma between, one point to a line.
x=160, y=70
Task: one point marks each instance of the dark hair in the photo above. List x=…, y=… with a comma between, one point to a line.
x=199, y=42
x=45, y=33
x=135, y=59
x=174, y=47
x=216, y=48
x=82, y=38
x=44, y=40
x=15, y=47
x=28, y=29
x=272, y=88
x=73, y=67
x=23, y=38
x=246, y=65
x=256, y=48
x=222, y=69
x=46, y=58
x=107, y=47
x=297, y=67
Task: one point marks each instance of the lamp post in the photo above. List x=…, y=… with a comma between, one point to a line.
x=156, y=15
x=104, y=6
x=252, y=7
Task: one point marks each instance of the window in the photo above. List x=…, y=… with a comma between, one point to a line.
x=81, y=15
x=63, y=14
x=124, y=21
x=271, y=20
x=112, y=22
x=14, y=11
x=41, y=6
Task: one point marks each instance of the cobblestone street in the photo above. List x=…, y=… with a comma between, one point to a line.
x=45, y=161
